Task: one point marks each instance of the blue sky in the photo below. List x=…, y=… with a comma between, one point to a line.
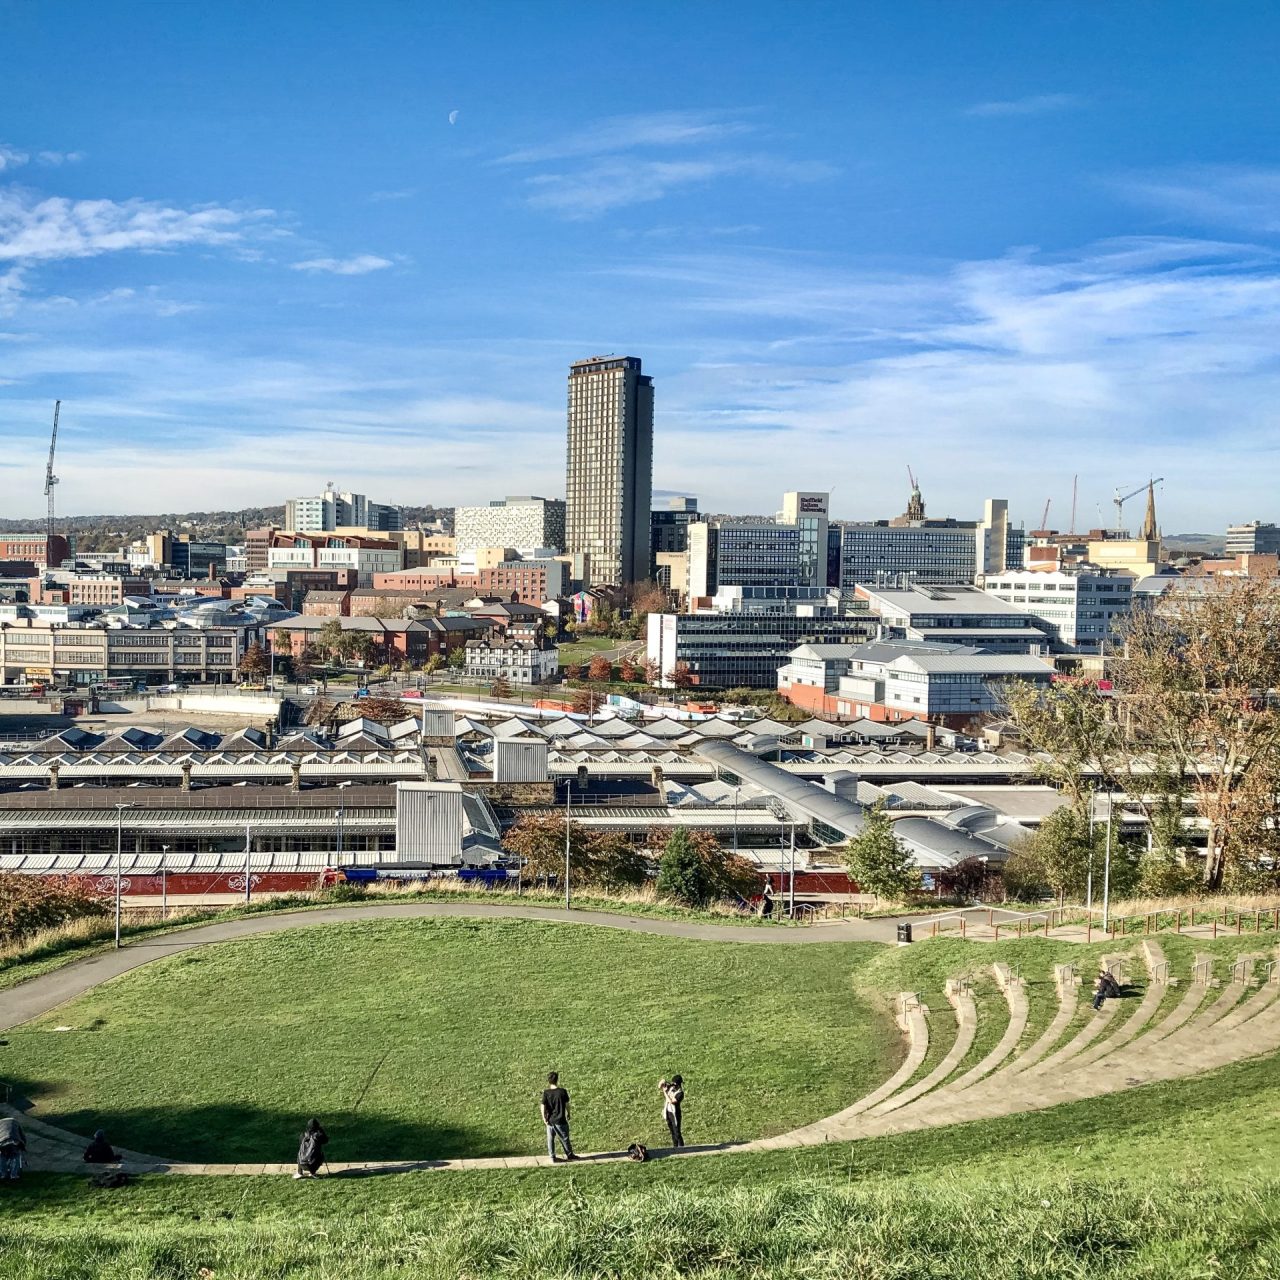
x=254, y=248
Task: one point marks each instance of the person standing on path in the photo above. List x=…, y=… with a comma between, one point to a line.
x=766, y=902
x=13, y=1147
x=672, y=1104
x=555, y=1115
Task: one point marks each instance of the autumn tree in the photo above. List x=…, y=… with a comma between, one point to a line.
x=694, y=868
x=1196, y=691
x=304, y=665
x=648, y=597
x=606, y=860
x=331, y=639
x=878, y=860
x=573, y=671
x=681, y=676
x=627, y=671
x=586, y=702
x=652, y=672
x=387, y=607
x=500, y=689
x=253, y=666
x=457, y=658
x=600, y=668
x=432, y=665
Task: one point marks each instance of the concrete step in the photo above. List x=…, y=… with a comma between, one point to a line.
x=966, y=1029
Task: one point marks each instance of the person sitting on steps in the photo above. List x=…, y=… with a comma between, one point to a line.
x=1105, y=988
x=13, y=1147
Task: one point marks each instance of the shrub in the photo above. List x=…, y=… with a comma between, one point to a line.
x=695, y=870
x=30, y=903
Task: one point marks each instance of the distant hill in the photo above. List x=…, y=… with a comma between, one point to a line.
x=105, y=532
x=1205, y=543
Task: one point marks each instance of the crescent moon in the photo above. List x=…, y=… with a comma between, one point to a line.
x=453, y=117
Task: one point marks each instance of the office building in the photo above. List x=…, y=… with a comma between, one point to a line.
x=1254, y=538
x=43, y=551
x=669, y=526
x=330, y=511
x=736, y=650
x=789, y=550
x=961, y=615
x=523, y=522
x=1081, y=611
x=609, y=478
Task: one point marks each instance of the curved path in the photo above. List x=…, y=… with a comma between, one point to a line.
x=1089, y=1063
x=36, y=996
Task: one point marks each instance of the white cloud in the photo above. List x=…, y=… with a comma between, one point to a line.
x=628, y=133
x=56, y=158
x=34, y=229
x=1035, y=105
x=1214, y=195
x=614, y=184
x=360, y=265
x=11, y=157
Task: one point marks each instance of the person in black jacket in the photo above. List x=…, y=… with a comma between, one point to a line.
x=13, y=1148
x=311, y=1149
x=1106, y=988
x=99, y=1150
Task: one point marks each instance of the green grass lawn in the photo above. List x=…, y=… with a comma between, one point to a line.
x=432, y=1038
x=585, y=649
x=1176, y=1179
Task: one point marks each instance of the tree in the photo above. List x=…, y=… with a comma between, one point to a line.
x=652, y=672
x=573, y=671
x=432, y=665
x=1069, y=728
x=615, y=862
x=600, y=668
x=538, y=840
x=878, y=861
x=1196, y=694
x=695, y=869
x=627, y=671
x=457, y=658
x=648, y=597
x=1056, y=857
x=29, y=903
x=500, y=689
x=253, y=666
x=361, y=646
x=387, y=607
x=681, y=676
x=304, y=665
x=330, y=639
x=586, y=702
x=552, y=631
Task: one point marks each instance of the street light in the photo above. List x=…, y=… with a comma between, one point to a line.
x=568, y=796
x=1106, y=866
x=120, y=808
x=735, y=818
x=248, y=846
x=164, y=882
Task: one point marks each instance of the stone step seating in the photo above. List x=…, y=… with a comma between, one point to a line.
x=1224, y=1014
x=1221, y=1017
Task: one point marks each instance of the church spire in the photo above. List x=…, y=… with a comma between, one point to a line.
x=1150, y=533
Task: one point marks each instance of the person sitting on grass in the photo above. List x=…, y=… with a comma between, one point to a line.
x=99, y=1150
x=311, y=1149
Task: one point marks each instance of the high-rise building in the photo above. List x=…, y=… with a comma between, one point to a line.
x=609, y=481
x=524, y=523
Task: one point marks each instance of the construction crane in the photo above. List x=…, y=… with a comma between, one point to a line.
x=1120, y=500
x=911, y=477
x=49, y=478
x=1044, y=516
x=1075, y=480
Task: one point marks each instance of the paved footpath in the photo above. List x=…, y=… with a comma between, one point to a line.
x=38, y=995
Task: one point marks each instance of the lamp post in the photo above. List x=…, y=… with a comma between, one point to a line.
x=568, y=796
x=120, y=808
x=248, y=881
x=164, y=882
x=1088, y=884
x=791, y=892
x=735, y=818
x=1106, y=866
x=337, y=813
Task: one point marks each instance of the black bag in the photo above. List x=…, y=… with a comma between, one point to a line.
x=638, y=1152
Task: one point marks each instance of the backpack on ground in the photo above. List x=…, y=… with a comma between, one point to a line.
x=638, y=1152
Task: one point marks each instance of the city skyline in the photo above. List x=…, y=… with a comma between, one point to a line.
x=891, y=240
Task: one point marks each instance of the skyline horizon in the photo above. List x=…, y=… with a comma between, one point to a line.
x=248, y=248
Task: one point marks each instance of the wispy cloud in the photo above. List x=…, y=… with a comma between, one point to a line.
x=55, y=158
x=1215, y=195
x=615, y=184
x=381, y=197
x=359, y=265
x=34, y=229
x=1037, y=104
x=629, y=133
x=11, y=157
